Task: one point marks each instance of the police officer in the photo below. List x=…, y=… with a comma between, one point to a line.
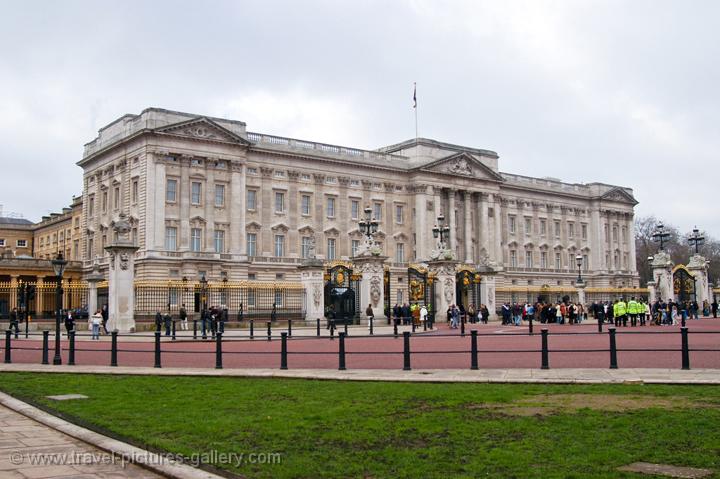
x=633, y=309
x=620, y=312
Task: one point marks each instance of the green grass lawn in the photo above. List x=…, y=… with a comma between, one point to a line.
x=389, y=430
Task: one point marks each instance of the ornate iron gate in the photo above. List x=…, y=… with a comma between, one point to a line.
x=386, y=282
x=342, y=291
x=467, y=288
x=683, y=284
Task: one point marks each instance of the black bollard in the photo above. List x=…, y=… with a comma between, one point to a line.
x=413, y=326
x=425, y=324
x=600, y=324
x=113, y=348
x=530, y=325
x=613, y=349
x=341, y=352
x=685, y=348
x=71, y=348
x=289, y=327
x=252, y=329
x=682, y=318
x=46, y=341
x=8, y=335
x=372, y=321
x=173, y=330
x=283, y=350
x=473, y=349
x=157, y=349
x=545, y=355
x=269, y=330
x=194, y=328
x=462, y=328
x=406, y=350
x=317, y=324
x=395, y=331
x=218, y=350
x=345, y=327
x=332, y=329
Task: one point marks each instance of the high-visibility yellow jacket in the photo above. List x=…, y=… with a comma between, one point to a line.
x=620, y=309
x=633, y=307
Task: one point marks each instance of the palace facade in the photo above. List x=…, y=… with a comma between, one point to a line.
x=206, y=196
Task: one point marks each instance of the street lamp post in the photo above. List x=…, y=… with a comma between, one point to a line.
x=368, y=226
x=441, y=231
x=579, y=262
x=58, y=265
x=660, y=235
x=203, y=293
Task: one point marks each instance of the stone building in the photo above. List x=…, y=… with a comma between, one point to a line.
x=205, y=196
x=59, y=232
x=16, y=237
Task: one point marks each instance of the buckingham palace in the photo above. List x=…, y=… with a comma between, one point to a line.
x=206, y=197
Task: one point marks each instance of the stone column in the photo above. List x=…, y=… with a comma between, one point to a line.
x=581, y=293
x=497, y=210
x=372, y=288
x=698, y=267
x=421, y=226
x=467, y=232
x=483, y=227
x=13, y=292
x=311, y=277
x=632, y=266
x=662, y=273
x=450, y=218
x=93, y=279
x=121, y=277
x=651, y=291
x=444, y=273
x=487, y=293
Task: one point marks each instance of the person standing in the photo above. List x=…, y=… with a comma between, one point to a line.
x=423, y=314
x=183, y=318
x=455, y=317
x=714, y=308
x=14, y=321
x=158, y=321
x=633, y=309
x=69, y=322
x=167, y=319
x=370, y=314
x=105, y=316
x=95, y=323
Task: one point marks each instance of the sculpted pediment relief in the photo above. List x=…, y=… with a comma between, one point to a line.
x=462, y=164
x=253, y=226
x=619, y=195
x=203, y=129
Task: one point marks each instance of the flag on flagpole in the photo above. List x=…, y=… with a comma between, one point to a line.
x=414, y=95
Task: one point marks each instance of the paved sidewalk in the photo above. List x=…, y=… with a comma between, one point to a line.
x=554, y=376
x=24, y=441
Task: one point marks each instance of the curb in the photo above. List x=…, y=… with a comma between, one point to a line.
x=152, y=461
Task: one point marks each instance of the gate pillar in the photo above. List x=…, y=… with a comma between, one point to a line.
x=698, y=268
x=93, y=279
x=662, y=274
x=121, y=278
x=372, y=286
x=487, y=293
x=444, y=272
x=311, y=277
x=581, y=293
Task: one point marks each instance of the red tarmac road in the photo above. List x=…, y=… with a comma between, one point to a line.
x=499, y=347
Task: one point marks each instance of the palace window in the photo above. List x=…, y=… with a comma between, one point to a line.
x=170, y=238
x=196, y=193
x=22, y=243
x=543, y=227
x=354, y=209
x=528, y=226
x=134, y=192
x=279, y=202
x=279, y=174
x=251, y=244
x=557, y=229
x=331, y=248
x=377, y=211
x=91, y=206
x=104, y=201
x=354, y=245
x=305, y=246
x=219, y=241
x=571, y=261
x=400, y=253
x=624, y=234
x=583, y=231
x=195, y=239
x=116, y=198
x=543, y=259
x=330, y=209
x=571, y=230
x=528, y=259
x=171, y=191
x=585, y=265
x=558, y=261
x=251, y=199
x=91, y=248
x=279, y=246
x=511, y=224
x=219, y=195
x=399, y=216
x=305, y=205
x=615, y=233
x=513, y=258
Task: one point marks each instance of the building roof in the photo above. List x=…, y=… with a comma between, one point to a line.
x=5, y=220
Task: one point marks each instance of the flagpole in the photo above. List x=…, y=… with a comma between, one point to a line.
x=415, y=108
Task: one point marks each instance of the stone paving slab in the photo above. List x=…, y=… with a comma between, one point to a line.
x=555, y=376
x=666, y=470
x=54, y=448
x=67, y=397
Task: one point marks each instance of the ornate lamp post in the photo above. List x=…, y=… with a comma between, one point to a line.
x=579, y=262
x=368, y=226
x=58, y=265
x=441, y=231
x=696, y=239
x=660, y=235
x=203, y=293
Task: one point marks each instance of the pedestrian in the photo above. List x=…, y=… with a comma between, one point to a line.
x=558, y=314
x=370, y=314
x=273, y=313
x=158, y=321
x=485, y=313
x=96, y=321
x=240, y=312
x=714, y=308
x=167, y=319
x=69, y=322
x=423, y=314
x=105, y=316
x=455, y=317
x=14, y=321
x=183, y=318
x=204, y=316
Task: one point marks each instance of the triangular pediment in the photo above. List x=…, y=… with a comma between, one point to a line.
x=619, y=195
x=203, y=129
x=462, y=164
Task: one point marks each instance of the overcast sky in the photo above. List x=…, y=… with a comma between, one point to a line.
x=621, y=92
